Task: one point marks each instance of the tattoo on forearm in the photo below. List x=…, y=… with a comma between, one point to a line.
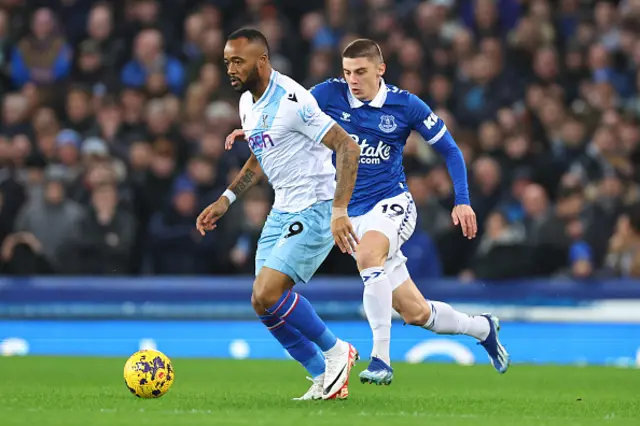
x=245, y=182
x=248, y=176
x=347, y=159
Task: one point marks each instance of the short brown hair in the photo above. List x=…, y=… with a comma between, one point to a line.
x=363, y=48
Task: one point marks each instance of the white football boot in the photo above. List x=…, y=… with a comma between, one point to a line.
x=338, y=361
x=315, y=391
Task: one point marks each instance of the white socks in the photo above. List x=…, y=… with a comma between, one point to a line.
x=377, y=300
x=446, y=320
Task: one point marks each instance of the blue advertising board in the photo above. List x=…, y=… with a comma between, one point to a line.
x=539, y=343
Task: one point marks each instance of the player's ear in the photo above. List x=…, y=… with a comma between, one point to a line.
x=382, y=68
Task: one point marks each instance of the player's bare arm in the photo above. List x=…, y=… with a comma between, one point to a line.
x=347, y=160
x=250, y=174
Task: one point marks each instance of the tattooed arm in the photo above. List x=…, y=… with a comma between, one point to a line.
x=250, y=174
x=248, y=177
x=347, y=160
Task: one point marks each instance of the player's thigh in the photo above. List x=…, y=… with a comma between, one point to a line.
x=305, y=243
x=394, y=217
x=409, y=302
x=373, y=250
x=269, y=237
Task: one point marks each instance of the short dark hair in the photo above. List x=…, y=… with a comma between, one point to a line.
x=251, y=34
x=363, y=48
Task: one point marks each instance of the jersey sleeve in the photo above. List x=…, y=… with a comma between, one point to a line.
x=425, y=121
x=433, y=130
x=321, y=93
x=309, y=119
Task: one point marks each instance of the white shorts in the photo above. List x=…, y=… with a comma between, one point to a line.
x=396, y=218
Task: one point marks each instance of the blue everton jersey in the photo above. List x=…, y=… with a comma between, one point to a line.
x=381, y=128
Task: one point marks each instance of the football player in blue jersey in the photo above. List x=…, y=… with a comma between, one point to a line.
x=379, y=117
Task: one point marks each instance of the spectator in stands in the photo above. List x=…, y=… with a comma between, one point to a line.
x=91, y=69
x=104, y=236
x=512, y=203
x=43, y=57
x=46, y=127
x=202, y=172
x=15, y=114
x=21, y=147
x=78, y=109
x=21, y=254
x=68, y=154
x=194, y=27
x=109, y=128
x=502, y=252
x=174, y=246
x=102, y=37
x=52, y=220
x=623, y=257
x=486, y=191
x=151, y=64
x=535, y=204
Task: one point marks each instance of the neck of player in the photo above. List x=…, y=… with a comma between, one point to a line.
x=263, y=83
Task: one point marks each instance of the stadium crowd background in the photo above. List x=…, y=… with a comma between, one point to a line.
x=114, y=116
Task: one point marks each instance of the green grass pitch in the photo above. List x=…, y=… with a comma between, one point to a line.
x=42, y=391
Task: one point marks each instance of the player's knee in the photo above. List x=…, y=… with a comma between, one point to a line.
x=257, y=307
x=264, y=296
x=370, y=257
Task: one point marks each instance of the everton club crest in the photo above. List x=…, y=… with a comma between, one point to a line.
x=387, y=123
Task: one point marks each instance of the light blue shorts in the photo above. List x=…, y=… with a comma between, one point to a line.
x=296, y=244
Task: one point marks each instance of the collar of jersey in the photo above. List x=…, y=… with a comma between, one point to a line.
x=376, y=102
x=266, y=94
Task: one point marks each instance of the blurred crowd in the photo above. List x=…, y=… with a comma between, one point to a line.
x=114, y=115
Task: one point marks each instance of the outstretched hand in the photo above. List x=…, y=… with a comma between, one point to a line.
x=464, y=216
x=207, y=219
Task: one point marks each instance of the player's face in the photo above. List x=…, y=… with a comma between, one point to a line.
x=363, y=76
x=242, y=60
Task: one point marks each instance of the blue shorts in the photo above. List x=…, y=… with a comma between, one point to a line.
x=296, y=244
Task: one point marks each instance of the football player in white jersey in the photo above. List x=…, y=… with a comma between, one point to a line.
x=292, y=142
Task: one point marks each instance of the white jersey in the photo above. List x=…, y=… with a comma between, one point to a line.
x=285, y=128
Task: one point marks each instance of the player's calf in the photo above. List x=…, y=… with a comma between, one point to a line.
x=294, y=310
x=371, y=255
x=438, y=317
x=442, y=318
x=415, y=311
x=298, y=346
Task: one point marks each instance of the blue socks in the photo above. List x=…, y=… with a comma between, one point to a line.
x=298, y=312
x=298, y=346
